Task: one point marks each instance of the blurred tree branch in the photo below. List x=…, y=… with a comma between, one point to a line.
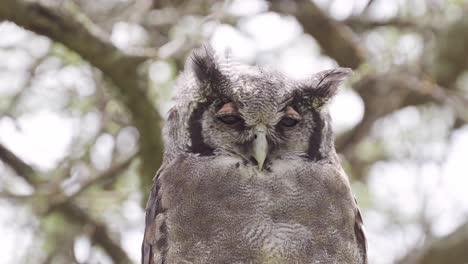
x=61, y=198
x=335, y=38
x=20, y=167
x=64, y=23
x=384, y=94
x=362, y=24
x=9, y=109
x=451, y=54
x=99, y=233
x=450, y=249
x=399, y=88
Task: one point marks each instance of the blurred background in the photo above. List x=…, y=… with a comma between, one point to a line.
x=85, y=86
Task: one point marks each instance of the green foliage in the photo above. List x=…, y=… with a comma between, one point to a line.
x=67, y=56
x=55, y=229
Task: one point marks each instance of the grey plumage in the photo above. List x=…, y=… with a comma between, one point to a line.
x=250, y=173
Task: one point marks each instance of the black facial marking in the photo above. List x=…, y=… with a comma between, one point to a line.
x=198, y=144
x=315, y=139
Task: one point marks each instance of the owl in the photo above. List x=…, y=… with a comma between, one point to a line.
x=250, y=172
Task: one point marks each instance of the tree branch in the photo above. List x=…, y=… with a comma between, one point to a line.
x=69, y=209
x=362, y=24
x=61, y=23
x=61, y=198
x=450, y=249
x=335, y=38
x=99, y=232
x=451, y=55
x=385, y=93
x=20, y=167
x=67, y=25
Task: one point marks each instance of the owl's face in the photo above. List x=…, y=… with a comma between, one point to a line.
x=259, y=115
x=259, y=122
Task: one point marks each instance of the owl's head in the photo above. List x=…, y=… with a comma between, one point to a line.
x=254, y=113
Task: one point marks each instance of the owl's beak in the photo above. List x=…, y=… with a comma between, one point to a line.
x=260, y=145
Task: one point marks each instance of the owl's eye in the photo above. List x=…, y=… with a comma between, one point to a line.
x=288, y=121
x=230, y=119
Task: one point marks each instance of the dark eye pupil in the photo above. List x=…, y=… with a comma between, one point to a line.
x=229, y=119
x=288, y=122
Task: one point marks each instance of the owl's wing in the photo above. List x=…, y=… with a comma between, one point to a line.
x=360, y=234
x=155, y=233
x=153, y=238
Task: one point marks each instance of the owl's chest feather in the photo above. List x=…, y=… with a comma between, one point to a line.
x=277, y=214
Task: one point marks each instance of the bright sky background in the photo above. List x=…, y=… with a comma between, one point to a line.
x=43, y=136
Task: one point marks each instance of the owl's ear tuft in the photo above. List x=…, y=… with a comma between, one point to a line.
x=323, y=86
x=204, y=65
x=329, y=80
